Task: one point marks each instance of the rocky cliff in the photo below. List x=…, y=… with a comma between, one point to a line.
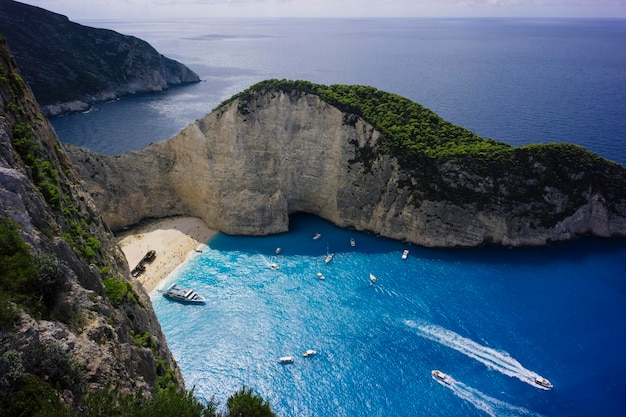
x=277, y=150
x=69, y=66
x=72, y=319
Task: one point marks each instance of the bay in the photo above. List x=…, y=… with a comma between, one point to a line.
x=491, y=318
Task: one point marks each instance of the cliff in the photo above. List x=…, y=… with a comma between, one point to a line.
x=72, y=319
x=283, y=147
x=69, y=66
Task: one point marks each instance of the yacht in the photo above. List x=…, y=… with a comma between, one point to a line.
x=320, y=275
x=372, y=279
x=329, y=257
x=405, y=254
x=183, y=294
x=543, y=382
x=286, y=359
x=309, y=352
x=440, y=376
x=317, y=236
x=352, y=242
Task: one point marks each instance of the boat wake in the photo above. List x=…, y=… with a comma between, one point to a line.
x=491, y=406
x=494, y=359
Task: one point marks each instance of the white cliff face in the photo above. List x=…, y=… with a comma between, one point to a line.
x=292, y=152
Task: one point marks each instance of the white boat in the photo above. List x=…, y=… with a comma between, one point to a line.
x=320, y=276
x=440, y=376
x=286, y=359
x=405, y=254
x=278, y=251
x=372, y=279
x=309, y=352
x=352, y=242
x=543, y=383
x=274, y=266
x=317, y=236
x=329, y=257
x=183, y=294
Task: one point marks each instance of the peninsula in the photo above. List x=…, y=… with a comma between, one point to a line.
x=362, y=159
x=70, y=66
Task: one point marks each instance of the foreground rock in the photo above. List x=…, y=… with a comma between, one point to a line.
x=274, y=151
x=69, y=66
x=72, y=319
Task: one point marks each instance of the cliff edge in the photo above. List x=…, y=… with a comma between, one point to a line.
x=69, y=66
x=72, y=319
x=283, y=147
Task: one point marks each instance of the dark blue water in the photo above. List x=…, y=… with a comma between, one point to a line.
x=520, y=81
x=491, y=318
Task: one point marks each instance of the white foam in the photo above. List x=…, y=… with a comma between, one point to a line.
x=497, y=360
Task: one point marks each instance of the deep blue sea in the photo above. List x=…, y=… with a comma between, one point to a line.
x=491, y=318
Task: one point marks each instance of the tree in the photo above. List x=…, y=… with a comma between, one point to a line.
x=245, y=403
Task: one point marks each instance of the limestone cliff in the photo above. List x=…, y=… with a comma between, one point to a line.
x=72, y=319
x=275, y=151
x=69, y=66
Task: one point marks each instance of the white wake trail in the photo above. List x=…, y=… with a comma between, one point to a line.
x=491, y=406
x=494, y=359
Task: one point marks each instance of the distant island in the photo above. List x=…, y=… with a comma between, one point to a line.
x=70, y=66
x=363, y=159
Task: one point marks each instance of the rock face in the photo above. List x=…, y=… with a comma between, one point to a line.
x=80, y=318
x=70, y=66
x=244, y=172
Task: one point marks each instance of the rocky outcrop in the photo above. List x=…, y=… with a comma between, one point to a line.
x=69, y=66
x=248, y=165
x=73, y=322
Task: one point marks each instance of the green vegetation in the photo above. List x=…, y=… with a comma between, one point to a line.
x=119, y=291
x=26, y=281
x=246, y=403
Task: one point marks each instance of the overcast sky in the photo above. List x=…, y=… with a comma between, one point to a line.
x=78, y=10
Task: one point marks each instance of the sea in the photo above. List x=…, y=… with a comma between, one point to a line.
x=491, y=318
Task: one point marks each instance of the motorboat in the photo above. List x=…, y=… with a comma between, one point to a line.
x=405, y=254
x=440, y=376
x=320, y=275
x=372, y=279
x=184, y=295
x=543, y=383
x=317, y=236
x=329, y=257
x=278, y=251
x=286, y=359
x=309, y=352
x=352, y=242
x=274, y=266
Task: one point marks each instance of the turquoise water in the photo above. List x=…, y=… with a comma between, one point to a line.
x=491, y=318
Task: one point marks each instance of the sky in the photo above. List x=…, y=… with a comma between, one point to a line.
x=77, y=10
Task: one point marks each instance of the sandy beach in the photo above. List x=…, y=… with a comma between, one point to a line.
x=173, y=239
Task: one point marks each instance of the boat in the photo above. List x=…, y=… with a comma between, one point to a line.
x=543, y=382
x=317, y=236
x=286, y=359
x=329, y=257
x=138, y=270
x=405, y=254
x=309, y=352
x=352, y=242
x=278, y=251
x=320, y=276
x=184, y=295
x=149, y=256
x=274, y=266
x=440, y=376
x=372, y=279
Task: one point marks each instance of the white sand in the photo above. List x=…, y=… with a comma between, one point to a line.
x=173, y=239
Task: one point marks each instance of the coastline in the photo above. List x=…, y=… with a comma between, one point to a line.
x=173, y=239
